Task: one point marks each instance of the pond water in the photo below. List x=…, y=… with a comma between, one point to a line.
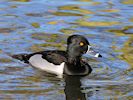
x=28, y=26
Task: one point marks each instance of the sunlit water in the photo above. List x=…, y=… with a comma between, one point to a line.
x=33, y=25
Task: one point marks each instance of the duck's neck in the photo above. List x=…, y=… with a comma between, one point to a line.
x=74, y=60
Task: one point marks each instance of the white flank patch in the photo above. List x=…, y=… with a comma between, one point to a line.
x=38, y=62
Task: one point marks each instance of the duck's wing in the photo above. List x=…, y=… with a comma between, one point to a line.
x=55, y=57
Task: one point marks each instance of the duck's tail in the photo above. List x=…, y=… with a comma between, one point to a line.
x=21, y=57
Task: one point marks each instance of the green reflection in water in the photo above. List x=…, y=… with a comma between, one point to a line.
x=49, y=37
x=131, y=19
x=7, y=30
x=95, y=23
x=127, y=1
x=26, y=91
x=41, y=47
x=35, y=25
x=22, y=0
x=86, y=0
x=51, y=40
x=68, y=31
x=94, y=3
x=66, y=14
x=119, y=91
x=127, y=49
x=75, y=8
x=5, y=60
x=110, y=10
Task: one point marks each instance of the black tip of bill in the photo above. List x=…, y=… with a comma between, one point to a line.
x=98, y=55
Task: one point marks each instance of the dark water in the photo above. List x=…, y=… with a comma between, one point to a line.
x=33, y=25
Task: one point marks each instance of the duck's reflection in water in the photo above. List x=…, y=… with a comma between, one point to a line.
x=73, y=90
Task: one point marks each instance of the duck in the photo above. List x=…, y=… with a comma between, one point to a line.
x=59, y=62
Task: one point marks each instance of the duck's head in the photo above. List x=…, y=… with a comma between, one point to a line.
x=77, y=45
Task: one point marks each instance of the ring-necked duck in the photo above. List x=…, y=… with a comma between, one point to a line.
x=62, y=62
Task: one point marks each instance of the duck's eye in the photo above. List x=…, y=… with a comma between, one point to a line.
x=81, y=44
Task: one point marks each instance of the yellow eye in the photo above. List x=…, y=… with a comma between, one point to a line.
x=81, y=43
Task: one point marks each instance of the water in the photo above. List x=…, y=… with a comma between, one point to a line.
x=28, y=26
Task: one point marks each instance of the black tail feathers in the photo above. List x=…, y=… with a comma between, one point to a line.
x=21, y=57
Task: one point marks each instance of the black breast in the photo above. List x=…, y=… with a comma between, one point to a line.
x=81, y=68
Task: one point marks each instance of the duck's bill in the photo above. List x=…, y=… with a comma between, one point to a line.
x=93, y=53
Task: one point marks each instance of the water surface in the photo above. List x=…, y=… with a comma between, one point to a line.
x=28, y=26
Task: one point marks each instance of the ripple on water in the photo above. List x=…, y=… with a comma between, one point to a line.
x=30, y=25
